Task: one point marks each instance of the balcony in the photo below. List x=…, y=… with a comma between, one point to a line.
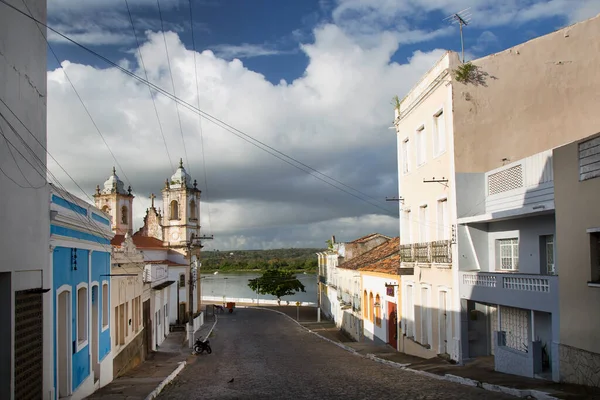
x=438, y=252
x=534, y=292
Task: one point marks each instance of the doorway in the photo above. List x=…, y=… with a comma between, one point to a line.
x=147, y=321
x=392, y=325
x=95, y=348
x=63, y=335
x=443, y=323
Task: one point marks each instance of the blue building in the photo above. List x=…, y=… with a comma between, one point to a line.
x=80, y=237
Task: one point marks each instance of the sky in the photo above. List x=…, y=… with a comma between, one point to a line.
x=312, y=79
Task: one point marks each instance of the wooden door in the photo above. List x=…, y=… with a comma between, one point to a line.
x=392, y=323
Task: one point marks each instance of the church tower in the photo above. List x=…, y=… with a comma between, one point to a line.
x=181, y=205
x=117, y=202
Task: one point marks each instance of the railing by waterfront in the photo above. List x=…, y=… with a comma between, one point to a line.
x=247, y=300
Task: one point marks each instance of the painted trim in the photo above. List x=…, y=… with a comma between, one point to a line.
x=68, y=205
x=75, y=234
x=69, y=319
x=104, y=328
x=441, y=110
x=76, y=243
x=100, y=219
x=81, y=345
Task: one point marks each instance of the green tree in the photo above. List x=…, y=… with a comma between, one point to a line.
x=276, y=282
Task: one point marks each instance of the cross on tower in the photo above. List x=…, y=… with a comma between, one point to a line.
x=152, y=197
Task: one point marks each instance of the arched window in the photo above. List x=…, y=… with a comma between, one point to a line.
x=174, y=214
x=124, y=215
x=377, y=310
x=105, y=209
x=371, y=306
x=364, y=305
x=193, y=210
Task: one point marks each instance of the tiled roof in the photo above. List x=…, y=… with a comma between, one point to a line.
x=369, y=237
x=383, y=251
x=141, y=242
x=168, y=262
x=386, y=266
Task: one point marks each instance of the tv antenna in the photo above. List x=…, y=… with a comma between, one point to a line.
x=462, y=18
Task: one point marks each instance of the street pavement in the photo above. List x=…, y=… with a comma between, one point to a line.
x=259, y=354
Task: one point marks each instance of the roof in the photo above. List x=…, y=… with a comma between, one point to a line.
x=381, y=252
x=141, y=242
x=387, y=266
x=168, y=262
x=369, y=237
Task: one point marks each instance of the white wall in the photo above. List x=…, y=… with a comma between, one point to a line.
x=25, y=217
x=376, y=285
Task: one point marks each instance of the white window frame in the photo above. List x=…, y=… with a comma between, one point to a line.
x=82, y=343
x=549, y=244
x=439, y=134
x=105, y=307
x=423, y=224
x=511, y=243
x=405, y=149
x=421, y=142
x=442, y=219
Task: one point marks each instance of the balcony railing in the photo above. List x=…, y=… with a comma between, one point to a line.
x=437, y=252
x=536, y=292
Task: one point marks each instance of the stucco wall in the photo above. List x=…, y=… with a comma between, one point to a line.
x=536, y=96
x=576, y=211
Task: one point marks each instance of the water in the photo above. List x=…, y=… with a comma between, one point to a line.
x=236, y=286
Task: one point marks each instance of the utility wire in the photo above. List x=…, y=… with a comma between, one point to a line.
x=70, y=83
x=149, y=89
x=162, y=26
x=200, y=116
x=31, y=186
x=211, y=118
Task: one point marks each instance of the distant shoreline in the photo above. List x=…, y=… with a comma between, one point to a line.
x=255, y=271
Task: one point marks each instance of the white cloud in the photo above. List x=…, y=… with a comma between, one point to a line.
x=334, y=118
x=486, y=40
x=244, y=50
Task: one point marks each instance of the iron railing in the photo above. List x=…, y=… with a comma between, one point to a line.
x=437, y=252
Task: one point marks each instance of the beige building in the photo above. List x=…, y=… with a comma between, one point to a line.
x=577, y=193
x=424, y=124
x=472, y=155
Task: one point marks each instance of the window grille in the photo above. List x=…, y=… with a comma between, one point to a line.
x=515, y=322
x=589, y=159
x=503, y=181
x=509, y=254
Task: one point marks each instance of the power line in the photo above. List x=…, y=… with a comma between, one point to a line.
x=199, y=116
x=211, y=118
x=149, y=89
x=162, y=26
x=71, y=83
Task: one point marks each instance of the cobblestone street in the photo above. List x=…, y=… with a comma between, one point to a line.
x=270, y=357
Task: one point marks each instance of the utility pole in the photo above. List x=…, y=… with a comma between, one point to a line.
x=193, y=243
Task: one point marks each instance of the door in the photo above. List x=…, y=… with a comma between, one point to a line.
x=63, y=336
x=29, y=325
x=147, y=321
x=443, y=324
x=392, y=325
x=95, y=348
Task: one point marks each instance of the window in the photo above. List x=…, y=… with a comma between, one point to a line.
x=589, y=159
x=135, y=315
x=421, y=146
x=425, y=317
x=549, y=254
x=105, y=306
x=193, y=210
x=174, y=210
x=365, y=308
x=181, y=280
x=124, y=215
x=509, y=254
x=121, y=327
x=378, y=306
x=442, y=219
x=116, y=326
x=439, y=126
x=82, y=315
x=406, y=227
x=405, y=157
x=410, y=312
x=371, y=307
x=595, y=256
x=423, y=224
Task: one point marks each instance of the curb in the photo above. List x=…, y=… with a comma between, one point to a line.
x=522, y=393
x=166, y=381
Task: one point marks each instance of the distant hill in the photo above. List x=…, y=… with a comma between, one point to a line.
x=240, y=260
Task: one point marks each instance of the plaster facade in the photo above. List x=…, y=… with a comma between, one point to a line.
x=578, y=250
x=381, y=318
x=24, y=257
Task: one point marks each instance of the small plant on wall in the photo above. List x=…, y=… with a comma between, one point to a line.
x=396, y=103
x=465, y=73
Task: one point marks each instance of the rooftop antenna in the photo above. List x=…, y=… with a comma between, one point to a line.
x=462, y=18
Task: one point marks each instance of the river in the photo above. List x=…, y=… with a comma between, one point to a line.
x=235, y=285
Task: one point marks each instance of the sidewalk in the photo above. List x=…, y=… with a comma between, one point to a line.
x=159, y=365
x=479, y=372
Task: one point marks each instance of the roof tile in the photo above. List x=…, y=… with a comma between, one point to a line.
x=381, y=252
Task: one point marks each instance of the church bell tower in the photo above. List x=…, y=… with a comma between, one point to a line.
x=117, y=202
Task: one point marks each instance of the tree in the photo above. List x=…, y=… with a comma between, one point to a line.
x=277, y=283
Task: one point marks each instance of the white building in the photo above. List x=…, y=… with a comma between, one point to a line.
x=25, y=337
